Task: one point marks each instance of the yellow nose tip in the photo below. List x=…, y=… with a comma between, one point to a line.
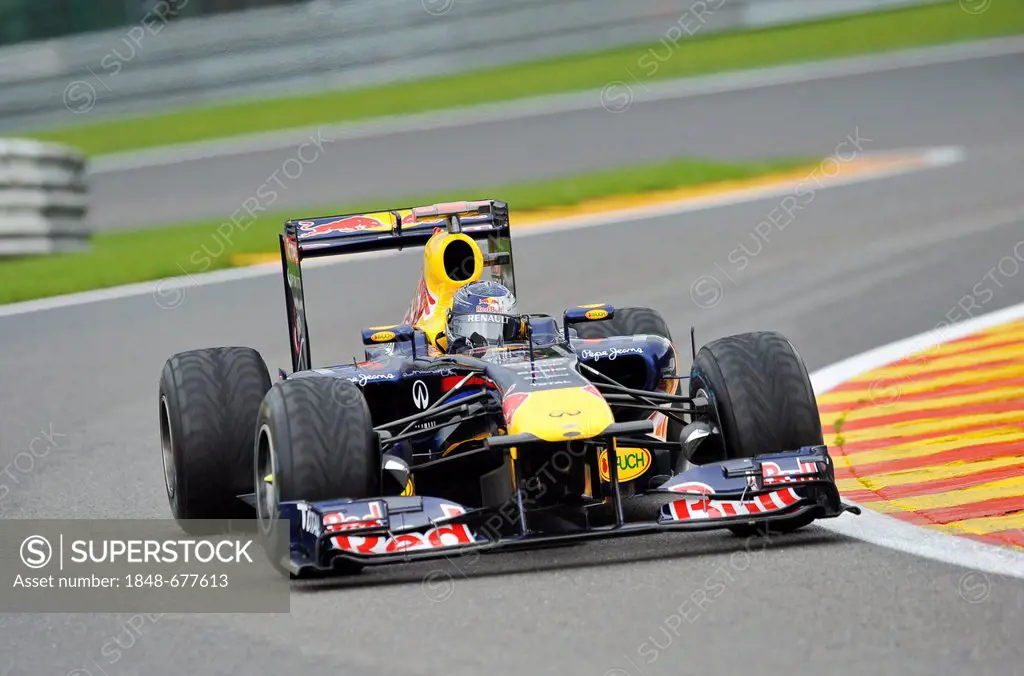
x=562, y=414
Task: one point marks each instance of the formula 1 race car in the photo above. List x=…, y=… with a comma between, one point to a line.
x=546, y=434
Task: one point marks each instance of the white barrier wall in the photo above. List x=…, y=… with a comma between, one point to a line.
x=325, y=44
x=43, y=198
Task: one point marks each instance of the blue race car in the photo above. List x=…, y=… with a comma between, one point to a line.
x=474, y=426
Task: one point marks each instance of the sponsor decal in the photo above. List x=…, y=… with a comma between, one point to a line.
x=420, y=395
x=383, y=336
x=430, y=372
x=593, y=305
x=596, y=314
x=451, y=380
x=610, y=354
x=562, y=414
x=632, y=462
x=489, y=305
x=774, y=474
x=298, y=335
x=435, y=538
x=511, y=404
x=343, y=225
x=660, y=421
x=487, y=318
x=339, y=522
x=546, y=373
x=551, y=384
x=409, y=488
x=545, y=369
x=363, y=378
x=291, y=249
x=702, y=508
x=423, y=304
x=693, y=487
x=310, y=520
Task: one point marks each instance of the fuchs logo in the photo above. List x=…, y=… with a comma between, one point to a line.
x=350, y=224
x=632, y=463
x=383, y=336
x=610, y=354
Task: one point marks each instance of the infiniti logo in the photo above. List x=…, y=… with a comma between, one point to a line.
x=559, y=414
x=420, y=395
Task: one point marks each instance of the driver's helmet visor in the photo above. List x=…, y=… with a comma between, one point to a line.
x=487, y=328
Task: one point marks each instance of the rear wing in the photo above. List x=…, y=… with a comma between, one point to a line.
x=395, y=229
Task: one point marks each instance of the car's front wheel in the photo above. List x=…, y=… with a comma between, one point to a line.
x=763, y=396
x=314, y=442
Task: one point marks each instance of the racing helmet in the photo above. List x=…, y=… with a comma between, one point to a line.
x=483, y=314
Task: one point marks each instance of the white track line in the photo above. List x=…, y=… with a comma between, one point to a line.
x=887, y=531
x=563, y=103
x=929, y=159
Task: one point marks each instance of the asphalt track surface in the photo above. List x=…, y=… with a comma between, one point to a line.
x=859, y=266
x=970, y=100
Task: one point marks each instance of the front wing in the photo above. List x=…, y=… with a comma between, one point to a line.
x=759, y=491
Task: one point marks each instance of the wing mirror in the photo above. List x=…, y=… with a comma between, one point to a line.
x=586, y=313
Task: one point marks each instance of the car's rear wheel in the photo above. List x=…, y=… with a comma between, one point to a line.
x=314, y=442
x=632, y=321
x=208, y=403
x=627, y=321
x=763, y=396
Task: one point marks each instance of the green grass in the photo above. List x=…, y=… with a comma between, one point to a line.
x=174, y=250
x=635, y=65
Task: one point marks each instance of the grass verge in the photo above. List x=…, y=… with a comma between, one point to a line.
x=170, y=251
x=825, y=39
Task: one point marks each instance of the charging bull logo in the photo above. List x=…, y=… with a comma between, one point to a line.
x=490, y=305
x=344, y=225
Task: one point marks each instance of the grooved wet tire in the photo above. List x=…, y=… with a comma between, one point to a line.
x=323, y=440
x=209, y=400
x=627, y=321
x=315, y=439
x=763, y=395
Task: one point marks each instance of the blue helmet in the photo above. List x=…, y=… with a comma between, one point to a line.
x=483, y=313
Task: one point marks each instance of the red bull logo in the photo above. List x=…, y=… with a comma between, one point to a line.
x=489, y=305
x=349, y=224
